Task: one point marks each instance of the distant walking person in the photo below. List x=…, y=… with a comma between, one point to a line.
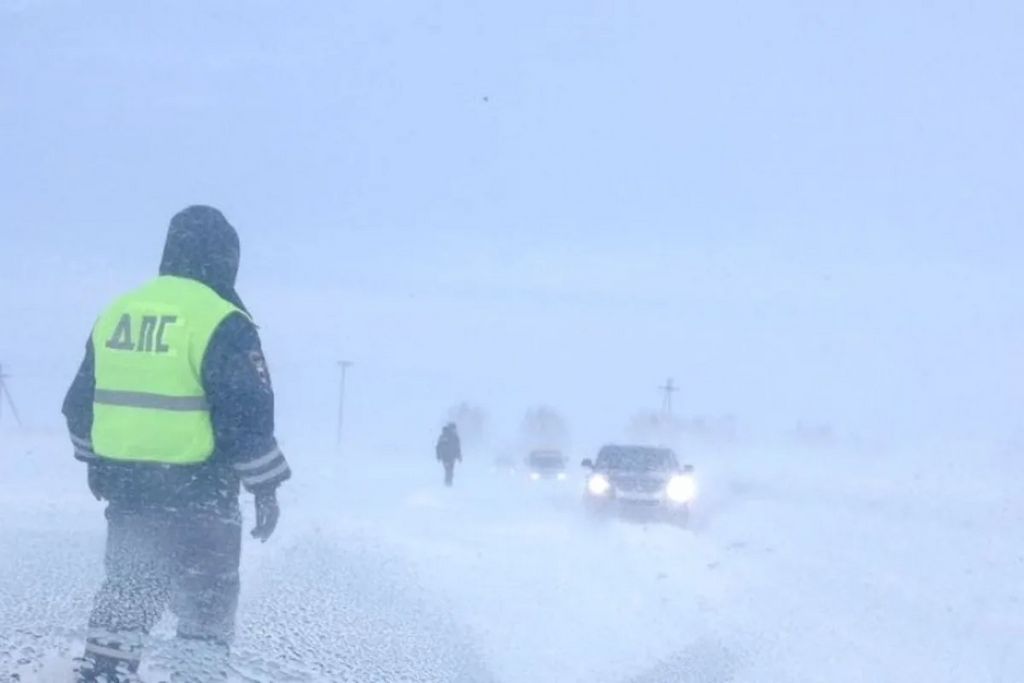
x=449, y=451
x=171, y=410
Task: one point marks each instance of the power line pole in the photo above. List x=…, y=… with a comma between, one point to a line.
x=667, y=390
x=344, y=365
x=6, y=394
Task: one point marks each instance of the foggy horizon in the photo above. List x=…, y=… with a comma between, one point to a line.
x=566, y=219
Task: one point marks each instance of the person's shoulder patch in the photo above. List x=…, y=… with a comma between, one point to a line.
x=260, y=365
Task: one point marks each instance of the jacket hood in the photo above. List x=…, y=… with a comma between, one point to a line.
x=201, y=245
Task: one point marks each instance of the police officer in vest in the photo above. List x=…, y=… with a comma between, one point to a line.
x=171, y=410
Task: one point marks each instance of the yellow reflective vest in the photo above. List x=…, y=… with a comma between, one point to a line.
x=149, y=404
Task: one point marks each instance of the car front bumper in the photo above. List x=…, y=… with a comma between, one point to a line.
x=635, y=504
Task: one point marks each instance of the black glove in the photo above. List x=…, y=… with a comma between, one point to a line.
x=267, y=513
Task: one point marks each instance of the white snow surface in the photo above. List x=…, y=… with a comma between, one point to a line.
x=799, y=566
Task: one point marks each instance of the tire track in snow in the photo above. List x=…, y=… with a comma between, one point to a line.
x=341, y=610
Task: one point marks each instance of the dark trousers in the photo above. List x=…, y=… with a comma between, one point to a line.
x=186, y=559
x=449, y=471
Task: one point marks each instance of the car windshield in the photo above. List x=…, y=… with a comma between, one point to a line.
x=546, y=460
x=644, y=459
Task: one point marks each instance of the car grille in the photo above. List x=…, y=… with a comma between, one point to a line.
x=638, y=484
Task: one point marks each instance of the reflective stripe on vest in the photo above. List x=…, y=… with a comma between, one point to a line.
x=138, y=399
x=149, y=403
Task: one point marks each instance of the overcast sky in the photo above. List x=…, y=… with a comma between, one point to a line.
x=800, y=210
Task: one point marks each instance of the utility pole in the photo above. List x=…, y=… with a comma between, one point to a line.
x=5, y=393
x=667, y=390
x=344, y=365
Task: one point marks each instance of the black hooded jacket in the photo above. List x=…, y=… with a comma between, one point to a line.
x=448, y=448
x=201, y=245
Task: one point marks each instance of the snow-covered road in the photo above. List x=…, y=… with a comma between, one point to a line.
x=798, y=567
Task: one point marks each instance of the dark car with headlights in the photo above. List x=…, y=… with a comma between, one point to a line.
x=640, y=481
x=546, y=464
